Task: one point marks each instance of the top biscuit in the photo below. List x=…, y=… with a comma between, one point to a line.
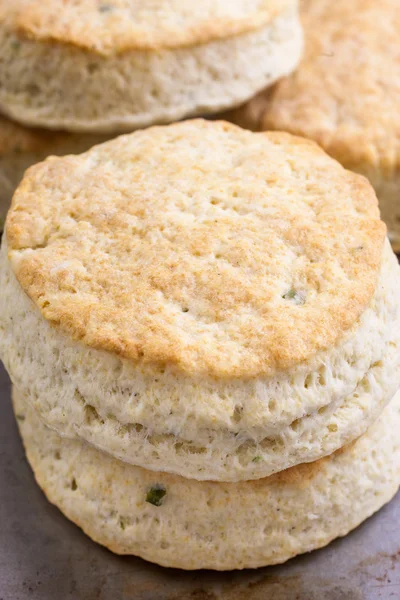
x=110, y=26
x=200, y=246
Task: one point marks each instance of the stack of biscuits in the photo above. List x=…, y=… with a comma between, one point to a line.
x=201, y=322
x=202, y=328
x=73, y=74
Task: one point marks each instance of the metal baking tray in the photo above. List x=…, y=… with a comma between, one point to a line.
x=43, y=556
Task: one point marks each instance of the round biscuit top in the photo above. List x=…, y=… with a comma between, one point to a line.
x=200, y=246
x=110, y=26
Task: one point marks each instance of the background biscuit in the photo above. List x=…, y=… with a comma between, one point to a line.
x=116, y=66
x=345, y=94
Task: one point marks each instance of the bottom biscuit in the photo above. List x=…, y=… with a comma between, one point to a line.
x=190, y=524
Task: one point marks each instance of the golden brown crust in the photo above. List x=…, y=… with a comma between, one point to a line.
x=346, y=93
x=180, y=245
x=108, y=26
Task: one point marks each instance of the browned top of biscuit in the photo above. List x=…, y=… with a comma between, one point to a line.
x=108, y=26
x=200, y=245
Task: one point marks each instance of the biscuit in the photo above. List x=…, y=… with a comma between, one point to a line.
x=189, y=524
x=113, y=66
x=349, y=108
x=21, y=147
x=202, y=300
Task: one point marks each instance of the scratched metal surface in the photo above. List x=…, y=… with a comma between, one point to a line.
x=43, y=556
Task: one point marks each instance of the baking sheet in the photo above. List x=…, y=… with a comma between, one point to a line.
x=44, y=556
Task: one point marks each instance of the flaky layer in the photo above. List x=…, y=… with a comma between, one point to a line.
x=188, y=524
x=206, y=428
x=62, y=86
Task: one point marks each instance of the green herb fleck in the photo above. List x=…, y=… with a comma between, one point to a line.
x=122, y=523
x=20, y=417
x=256, y=459
x=156, y=494
x=15, y=45
x=296, y=297
x=74, y=485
